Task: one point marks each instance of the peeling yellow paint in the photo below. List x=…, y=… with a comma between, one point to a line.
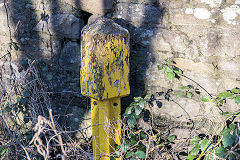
x=105, y=79
x=105, y=66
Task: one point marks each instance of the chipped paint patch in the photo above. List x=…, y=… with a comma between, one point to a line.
x=212, y=3
x=202, y=13
x=230, y=13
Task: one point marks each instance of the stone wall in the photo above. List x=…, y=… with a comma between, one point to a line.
x=202, y=36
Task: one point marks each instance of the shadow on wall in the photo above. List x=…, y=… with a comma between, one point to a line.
x=48, y=32
x=150, y=18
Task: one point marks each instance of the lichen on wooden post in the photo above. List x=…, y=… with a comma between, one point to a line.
x=105, y=79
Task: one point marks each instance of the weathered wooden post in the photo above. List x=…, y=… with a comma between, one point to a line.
x=105, y=79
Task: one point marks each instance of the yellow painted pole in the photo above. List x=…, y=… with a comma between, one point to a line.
x=105, y=79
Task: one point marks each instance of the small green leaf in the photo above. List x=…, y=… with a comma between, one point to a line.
x=225, y=131
x=160, y=67
x=140, y=154
x=228, y=140
x=236, y=90
x=133, y=159
x=204, y=144
x=128, y=110
x=237, y=99
x=3, y=151
x=189, y=95
x=210, y=157
x=8, y=109
x=170, y=75
x=232, y=126
x=138, y=110
x=190, y=157
x=184, y=88
x=221, y=152
x=205, y=99
x=180, y=94
x=195, y=140
x=141, y=103
x=137, y=99
x=141, y=147
x=172, y=138
x=131, y=122
x=170, y=63
x=195, y=150
x=143, y=135
x=232, y=156
x=148, y=96
x=18, y=98
x=15, y=46
x=224, y=95
x=129, y=154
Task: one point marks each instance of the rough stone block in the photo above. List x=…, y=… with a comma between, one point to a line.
x=65, y=25
x=139, y=14
x=196, y=67
x=92, y=6
x=138, y=1
x=70, y=57
x=160, y=39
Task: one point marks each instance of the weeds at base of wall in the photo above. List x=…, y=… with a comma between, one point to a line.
x=28, y=130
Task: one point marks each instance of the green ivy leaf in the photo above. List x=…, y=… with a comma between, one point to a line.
x=195, y=140
x=142, y=102
x=172, y=138
x=170, y=63
x=137, y=99
x=15, y=46
x=180, y=94
x=236, y=90
x=133, y=159
x=140, y=154
x=237, y=99
x=210, y=157
x=148, y=96
x=232, y=156
x=129, y=154
x=141, y=147
x=170, y=75
x=18, y=98
x=204, y=144
x=224, y=95
x=143, y=135
x=160, y=67
x=8, y=109
x=228, y=140
x=184, y=88
x=232, y=126
x=221, y=152
x=128, y=110
x=225, y=131
x=205, y=99
x=138, y=110
x=3, y=151
x=190, y=157
x=131, y=122
x=195, y=150
x=189, y=95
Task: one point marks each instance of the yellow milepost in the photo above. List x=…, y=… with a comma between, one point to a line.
x=105, y=79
